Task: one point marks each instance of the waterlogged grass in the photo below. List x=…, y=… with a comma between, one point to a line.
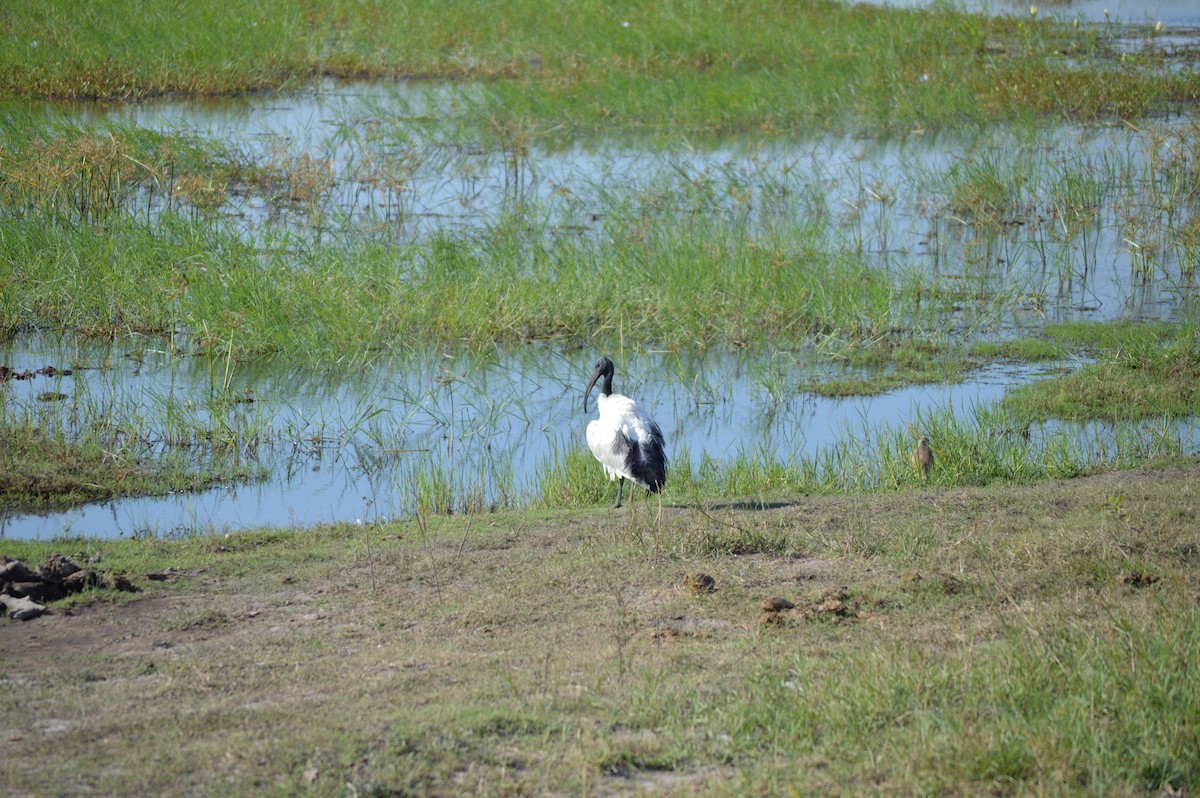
x=447, y=445
x=119, y=229
x=989, y=444
x=678, y=284
x=39, y=472
x=875, y=367
x=1039, y=639
x=677, y=65
x=86, y=440
x=451, y=435
x=111, y=230
x=1142, y=371
x=68, y=170
x=1024, y=350
x=72, y=170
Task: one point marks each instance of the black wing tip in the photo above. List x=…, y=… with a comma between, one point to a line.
x=647, y=463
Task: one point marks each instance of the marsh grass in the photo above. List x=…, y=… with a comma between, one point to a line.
x=103, y=442
x=1024, y=350
x=109, y=230
x=62, y=168
x=881, y=366
x=989, y=443
x=434, y=445
x=670, y=283
x=1142, y=371
x=40, y=471
x=128, y=230
x=599, y=65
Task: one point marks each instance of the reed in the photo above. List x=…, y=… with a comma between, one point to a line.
x=738, y=253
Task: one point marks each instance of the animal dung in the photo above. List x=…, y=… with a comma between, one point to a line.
x=699, y=582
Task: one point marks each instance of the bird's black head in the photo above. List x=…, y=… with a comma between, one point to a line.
x=604, y=368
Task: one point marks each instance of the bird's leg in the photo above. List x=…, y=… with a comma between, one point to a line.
x=620, y=489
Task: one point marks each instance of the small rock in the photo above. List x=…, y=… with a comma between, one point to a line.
x=15, y=571
x=21, y=589
x=38, y=591
x=21, y=609
x=121, y=582
x=1139, y=579
x=775, y=604
x=80, y=581
x=58, y=566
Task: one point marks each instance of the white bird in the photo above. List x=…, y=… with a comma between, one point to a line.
x=624, y=439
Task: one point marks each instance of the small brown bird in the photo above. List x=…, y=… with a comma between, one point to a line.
x=922, y=458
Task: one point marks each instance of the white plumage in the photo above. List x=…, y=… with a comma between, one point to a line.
x=624, y=438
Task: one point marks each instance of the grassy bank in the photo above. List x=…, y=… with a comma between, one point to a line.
x=682, y=65
x=1035, y=639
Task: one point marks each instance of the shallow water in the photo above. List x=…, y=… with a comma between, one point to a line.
x=1169, y=12
x=353, y=449
x=349, y=451
x=889, y=200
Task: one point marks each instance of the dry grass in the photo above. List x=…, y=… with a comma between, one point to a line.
x=1021, y=640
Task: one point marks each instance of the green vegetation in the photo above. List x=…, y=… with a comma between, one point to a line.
x=121, y=229
x=876, y=367
x=1026, y=350
x=39, y=472
x=675, y=285
x=619, y=176
x=1038, y=639
x=990, y=445
x=1143, y=371
x=678, y=65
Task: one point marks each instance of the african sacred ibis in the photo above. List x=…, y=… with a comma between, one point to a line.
x=624, y=439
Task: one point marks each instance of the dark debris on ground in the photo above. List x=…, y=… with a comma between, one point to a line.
x=24, y=593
